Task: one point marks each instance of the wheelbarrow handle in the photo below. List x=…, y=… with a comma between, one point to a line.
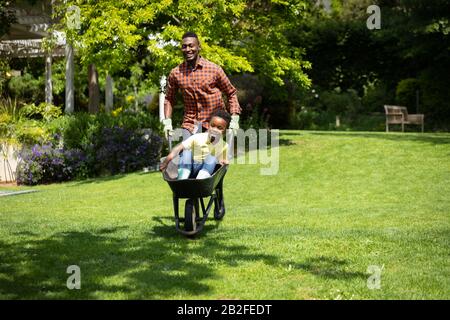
x=169, y=139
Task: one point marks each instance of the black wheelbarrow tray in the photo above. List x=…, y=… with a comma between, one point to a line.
x=194, y=190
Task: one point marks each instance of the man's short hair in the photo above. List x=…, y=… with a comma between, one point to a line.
x=222, y=114
x=190, y=34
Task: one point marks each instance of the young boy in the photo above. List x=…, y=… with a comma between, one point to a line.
x=202, y=151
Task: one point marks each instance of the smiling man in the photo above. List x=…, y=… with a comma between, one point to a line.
x=201, y=83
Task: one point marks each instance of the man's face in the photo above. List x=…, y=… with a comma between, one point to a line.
x=190, y=48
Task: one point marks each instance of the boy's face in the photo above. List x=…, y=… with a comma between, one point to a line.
x=219, y=124
x=217, y=128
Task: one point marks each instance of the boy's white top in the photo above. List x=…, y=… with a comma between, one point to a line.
x=201, y=146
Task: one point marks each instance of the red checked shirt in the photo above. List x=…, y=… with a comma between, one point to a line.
x=202, y=89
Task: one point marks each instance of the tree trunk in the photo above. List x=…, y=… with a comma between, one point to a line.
x=94, y=90
x=69, y=80
x=109, y=96
x=48, y=79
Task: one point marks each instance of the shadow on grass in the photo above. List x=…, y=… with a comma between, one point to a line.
x=77, y=183
x=109, y=178
x=286, y=142
x=168, y=231
x=151, y=266
x=329, y=267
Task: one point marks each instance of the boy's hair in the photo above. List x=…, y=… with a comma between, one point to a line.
x=222, y=114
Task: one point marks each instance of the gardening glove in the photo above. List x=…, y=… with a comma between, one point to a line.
x=168, y=130
x=234, y=124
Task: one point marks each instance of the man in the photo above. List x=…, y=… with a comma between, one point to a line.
x=202, y=84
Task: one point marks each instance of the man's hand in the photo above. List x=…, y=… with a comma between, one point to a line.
x=234, y=124
x=168, y=130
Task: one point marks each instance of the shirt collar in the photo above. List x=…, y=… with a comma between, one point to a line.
x=200, y=63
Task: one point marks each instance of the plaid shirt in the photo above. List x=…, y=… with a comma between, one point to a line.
x=202, y=89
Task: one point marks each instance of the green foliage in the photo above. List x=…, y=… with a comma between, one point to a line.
x=308, y=118
x=405, y=94
x=120, y=150
x=45, y=111
x=4, y=76
x=30, y=133
x=238, y=35
x=375, y=96
x=82, y=145
x=339, y=102
x=435, y=97
x=413, y=42
x=11, y=110
x=7, y=17
x=79, y=129
x=27, y=87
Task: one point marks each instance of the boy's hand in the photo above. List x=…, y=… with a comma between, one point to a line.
x=223, y=162
x=165, y=163
x=163, y=166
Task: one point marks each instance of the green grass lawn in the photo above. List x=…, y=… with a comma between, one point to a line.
x=340, y=203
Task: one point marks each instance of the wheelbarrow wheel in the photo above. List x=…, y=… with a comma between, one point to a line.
x=190, y=214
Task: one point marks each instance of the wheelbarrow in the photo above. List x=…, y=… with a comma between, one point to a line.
x=195, y=190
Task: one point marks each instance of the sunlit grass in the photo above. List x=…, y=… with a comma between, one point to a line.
x=339, y=203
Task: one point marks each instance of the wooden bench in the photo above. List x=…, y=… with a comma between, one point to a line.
x=399, y=115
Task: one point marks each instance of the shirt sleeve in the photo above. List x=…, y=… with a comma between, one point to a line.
x=172, y=87
x=229, y=90
x=188, y=143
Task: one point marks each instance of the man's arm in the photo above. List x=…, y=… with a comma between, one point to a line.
x=169, y=100
x=230, y=91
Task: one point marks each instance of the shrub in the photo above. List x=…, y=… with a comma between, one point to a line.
x=47, y=164
x=375, y=96
x=341, y=103
x=6, y=124
x=119, y=150
x=78, y=130
x=45, y=111
x=27, y=87
x=84, y=145
x=405, y=93
x=435, y=97
x=305, y=118
x=30, y=133
x=11, y=107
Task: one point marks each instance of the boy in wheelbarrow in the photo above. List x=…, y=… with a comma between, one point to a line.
x=202, y=151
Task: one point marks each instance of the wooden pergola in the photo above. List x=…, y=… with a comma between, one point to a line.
x=25, y=39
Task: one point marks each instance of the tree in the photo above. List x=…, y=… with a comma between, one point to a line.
x=413, y=42
x=7, y=17
x=241, y=36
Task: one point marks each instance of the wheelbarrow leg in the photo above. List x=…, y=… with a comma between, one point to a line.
x=176, y=211
x=219, y=204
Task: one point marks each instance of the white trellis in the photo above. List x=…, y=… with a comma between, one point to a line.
x=25, y=37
